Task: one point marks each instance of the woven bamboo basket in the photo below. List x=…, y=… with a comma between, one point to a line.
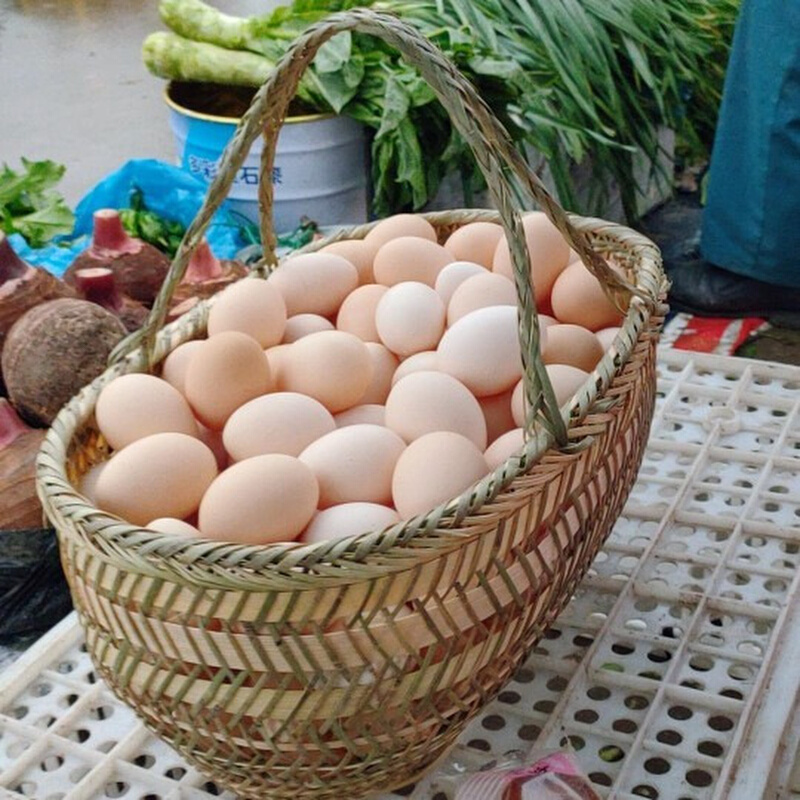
x=349, y=667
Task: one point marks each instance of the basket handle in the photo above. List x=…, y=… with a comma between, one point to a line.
x=503, y=167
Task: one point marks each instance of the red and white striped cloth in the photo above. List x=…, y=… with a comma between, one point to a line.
x=553, y=776
x=717, y=335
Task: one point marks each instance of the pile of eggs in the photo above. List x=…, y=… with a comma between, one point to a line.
x=358, y=385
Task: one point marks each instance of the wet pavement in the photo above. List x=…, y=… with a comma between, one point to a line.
x=79, y=93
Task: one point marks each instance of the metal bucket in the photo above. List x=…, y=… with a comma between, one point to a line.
x=321, y=164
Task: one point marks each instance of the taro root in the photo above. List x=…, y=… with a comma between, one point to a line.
x=139, y=268
x=205, y=276
x=98, y=285
x=53, y=350
x=19, y=445
x=23, y=286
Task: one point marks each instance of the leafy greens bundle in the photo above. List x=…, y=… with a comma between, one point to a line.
x=569, y=79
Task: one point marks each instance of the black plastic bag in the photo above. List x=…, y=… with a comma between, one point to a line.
x=34, y=594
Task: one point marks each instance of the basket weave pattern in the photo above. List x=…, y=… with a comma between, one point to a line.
x=304, y=693
x=340, y=669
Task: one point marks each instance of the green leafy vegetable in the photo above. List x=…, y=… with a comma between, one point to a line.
x=30, y=205
x=302, y=235
x=413, y=145
x=287, y=242
x=571, y=80
x=139, y=221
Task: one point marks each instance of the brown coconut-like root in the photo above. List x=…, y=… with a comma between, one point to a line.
x=53, y=351
x=98, y=285
x=138, y=267
x=205, y=276
x=19, y=446
x=22, y=287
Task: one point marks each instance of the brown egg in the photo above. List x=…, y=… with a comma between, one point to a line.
x=260, y=500
x=410, y=258
x=134, y=406
x=177, y=527
x=475, y=241
x=354, y=464
x=396, y=226
x=545, y=321
x=301, y=325
x=480, y=291
x=507, y=445
x=213, y=440
x=579, y=298
x=163, y=475
x=367, y=414
x=349, y=519
x=433, y=469
x=606, y=337
x=88, y=481
x=573, y=345
x=250, y=306
x=425, y=402
x=410, y=318
x=566, y=381
x=453, y=275
x=548, y=251
x=497, y=413
x=333, y=367
x=314, y=283
x=230, y=370
x=358, y=253
x=482, y=350
x=276, y=358
x=357, y=312
x=173, y=369
x=281, y=422
x=384, y=364
x=419, y=362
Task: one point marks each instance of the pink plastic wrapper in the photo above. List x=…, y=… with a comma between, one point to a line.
x=552, y=776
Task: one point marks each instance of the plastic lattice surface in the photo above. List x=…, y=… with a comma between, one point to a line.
x=64, y=735
x=656, y=673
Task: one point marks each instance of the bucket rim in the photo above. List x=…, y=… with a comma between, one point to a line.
x=188, y=112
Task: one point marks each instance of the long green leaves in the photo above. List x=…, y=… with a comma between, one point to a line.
x=593, y=78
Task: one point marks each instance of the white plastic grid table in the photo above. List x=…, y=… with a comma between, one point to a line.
x=673, y=672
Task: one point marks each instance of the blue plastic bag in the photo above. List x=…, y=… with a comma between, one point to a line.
x=167, y=190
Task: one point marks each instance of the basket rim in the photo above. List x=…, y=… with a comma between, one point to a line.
x=147, y=550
